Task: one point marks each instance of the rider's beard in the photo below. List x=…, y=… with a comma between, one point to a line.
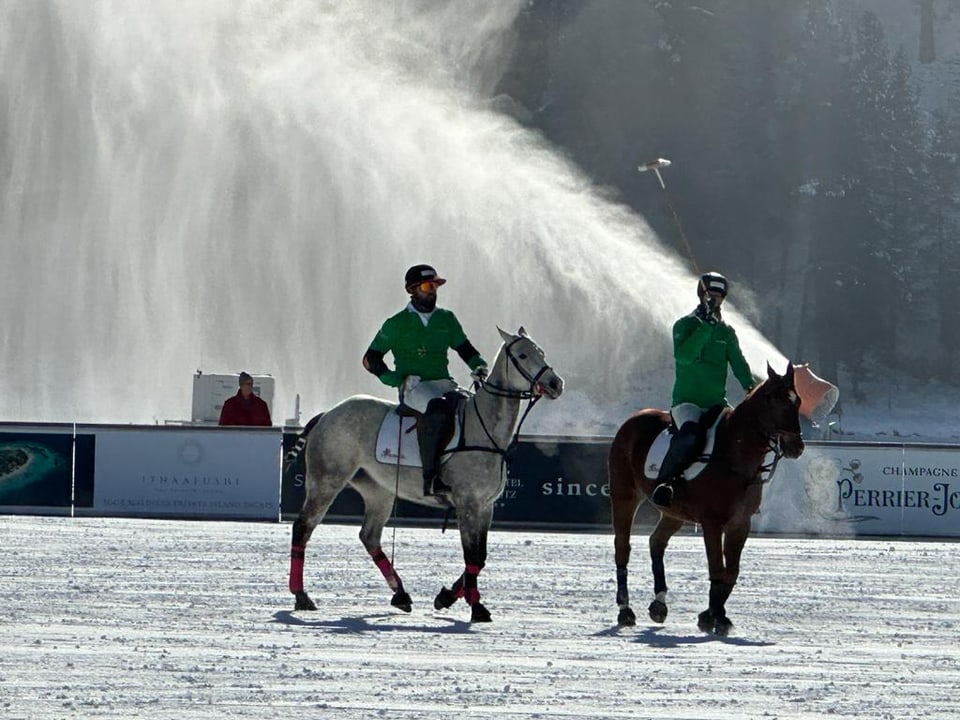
x=424, y=304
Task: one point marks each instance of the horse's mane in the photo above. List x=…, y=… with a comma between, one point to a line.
x=750, y=401
x=754, y=392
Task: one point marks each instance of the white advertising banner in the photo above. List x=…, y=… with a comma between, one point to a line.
x=197, y=473
x=865, y=490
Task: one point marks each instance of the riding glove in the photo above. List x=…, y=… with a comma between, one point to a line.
x=707, y=314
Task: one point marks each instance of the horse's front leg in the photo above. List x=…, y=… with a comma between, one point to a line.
x=714, y=619
x=659, y=539
x=474, y=526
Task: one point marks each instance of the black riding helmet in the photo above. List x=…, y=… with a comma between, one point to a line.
x=712, y=282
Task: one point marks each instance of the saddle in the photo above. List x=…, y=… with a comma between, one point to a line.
x=397, y=439
x=658, y=449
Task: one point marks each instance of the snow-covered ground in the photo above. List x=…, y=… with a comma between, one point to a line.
x=188, y=620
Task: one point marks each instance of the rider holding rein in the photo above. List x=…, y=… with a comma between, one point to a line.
x=703, y=346
x=419, y=337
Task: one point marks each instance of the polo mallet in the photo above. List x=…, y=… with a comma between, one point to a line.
x=655, y=166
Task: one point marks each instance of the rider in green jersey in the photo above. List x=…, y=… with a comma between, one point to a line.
x=703, y=347
x=419, y=337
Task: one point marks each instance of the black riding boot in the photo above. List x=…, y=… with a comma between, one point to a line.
x=684, y=446
x=430, y=437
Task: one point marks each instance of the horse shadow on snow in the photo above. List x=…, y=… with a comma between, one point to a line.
x=656, y=637
x=363, y=625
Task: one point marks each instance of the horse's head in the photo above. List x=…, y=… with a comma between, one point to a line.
x=522, y=369
x=778, y=410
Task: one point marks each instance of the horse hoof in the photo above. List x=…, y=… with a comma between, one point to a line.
x=626, y=617
x=658, y=611
x=444, y=599
x=721, y=626
x=402, y=600
x=304, y=602
x=478, y=613
x=716, y=625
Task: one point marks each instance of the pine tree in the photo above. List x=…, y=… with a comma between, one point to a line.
x=827, y=165
x=943, y=206
x=915, y=340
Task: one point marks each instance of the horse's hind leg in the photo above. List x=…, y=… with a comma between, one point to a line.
x=377, y=508
x=303, y=527
x=659, y=539
x=321, y=492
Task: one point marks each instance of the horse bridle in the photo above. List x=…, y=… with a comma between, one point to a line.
x=774, y=440
x=531, y=395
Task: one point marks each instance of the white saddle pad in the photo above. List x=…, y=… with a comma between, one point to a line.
x=408, y=450
x=658, y=451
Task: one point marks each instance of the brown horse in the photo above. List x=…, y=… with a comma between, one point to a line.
x=722, y=498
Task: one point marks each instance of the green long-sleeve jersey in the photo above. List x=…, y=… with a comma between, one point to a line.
x=702, y=352
x=420, y=349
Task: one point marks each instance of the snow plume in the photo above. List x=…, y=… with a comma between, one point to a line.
x=242, y=186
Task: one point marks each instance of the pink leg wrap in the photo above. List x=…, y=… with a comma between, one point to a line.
x=470, y=592
x=386, y=569
x=297, y=554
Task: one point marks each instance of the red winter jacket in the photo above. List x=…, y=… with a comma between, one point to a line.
x=252, y=411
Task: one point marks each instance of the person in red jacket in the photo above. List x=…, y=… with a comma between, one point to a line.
x=245, y=408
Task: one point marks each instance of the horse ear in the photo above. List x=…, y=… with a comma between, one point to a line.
x=771, y=373
x=522, y=332
x=789, y=374
x=507, y=337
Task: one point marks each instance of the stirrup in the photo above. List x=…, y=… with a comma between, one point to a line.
x=435, y=486
x=662, y=495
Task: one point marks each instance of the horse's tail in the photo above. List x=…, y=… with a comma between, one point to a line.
x=294, y=452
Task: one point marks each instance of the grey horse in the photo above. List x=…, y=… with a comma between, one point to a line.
x=340, y=450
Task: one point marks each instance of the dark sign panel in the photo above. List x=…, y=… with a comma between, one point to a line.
x=560, y=483
x=84, y=460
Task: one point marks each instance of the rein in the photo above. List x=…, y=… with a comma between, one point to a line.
x=496, y=449
x=774, y=441
x=531, y=395
x=765, y=473
x=499, y=391
x=775, y=445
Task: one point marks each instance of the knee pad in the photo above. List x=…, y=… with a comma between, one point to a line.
x=688, y=438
